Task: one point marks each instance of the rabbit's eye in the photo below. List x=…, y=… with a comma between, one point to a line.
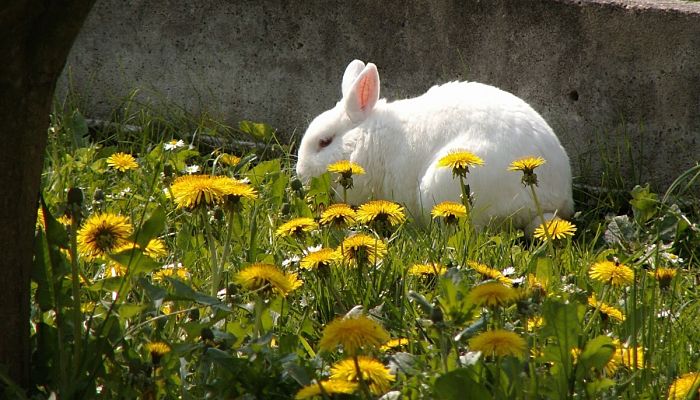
x=325, y=142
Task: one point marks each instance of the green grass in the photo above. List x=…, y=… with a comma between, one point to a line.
x=90, y=334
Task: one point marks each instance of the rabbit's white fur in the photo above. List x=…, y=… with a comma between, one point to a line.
x=400, y=143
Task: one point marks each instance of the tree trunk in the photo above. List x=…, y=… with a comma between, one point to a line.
x=38, y=37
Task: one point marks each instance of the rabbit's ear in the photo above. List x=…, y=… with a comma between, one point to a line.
x=351, y=72
x=362, y=94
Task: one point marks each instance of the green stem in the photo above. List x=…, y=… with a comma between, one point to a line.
x=215, y=273
x=259, y=309
x=75, y=278
x=227, y=242
x=363, y=384
x=540, y=213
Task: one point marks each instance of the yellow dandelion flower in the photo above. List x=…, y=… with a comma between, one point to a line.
x=40, y=220
x=492, y=294
x=664, y=276
x=296, y=227
x=338, y=215
x=122, y=162
x=610, y=367
x=346, y=168
x=159, y=348
x=330, y=387
x=229, y=159
x=681, y=388
x=65, y=220
x=381, y=211
x=499, y=343
x=373, y=373
x=353, y=333
x=612, y=273
x=629, y=357
x=394, y=344
x=171, y=270
x=536, y=287
x=430, y=269
x=101, y=234
x=268, y=278
x=557, y=229
x=155, y=248
x=234, y=190
x=191, y=191
x=322, y=258
x=359, y=247
x=534, y=323
x=527, y=164
x=460, y=161
x=606, y=310
x=450, y=211
x=489, y=273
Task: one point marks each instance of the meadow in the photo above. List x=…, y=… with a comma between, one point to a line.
x=181, y=258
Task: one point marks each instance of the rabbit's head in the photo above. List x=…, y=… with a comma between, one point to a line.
x=332, y=135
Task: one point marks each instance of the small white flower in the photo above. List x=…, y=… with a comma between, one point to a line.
x=291, y=260
x=470, y=358
x=508, y=271
x=518, y=281
x=172, y=266
x=313, y=249
x=244, y=180
x=192, y=169
x=174, y=145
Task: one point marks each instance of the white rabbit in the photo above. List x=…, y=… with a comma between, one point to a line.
x=399, y=145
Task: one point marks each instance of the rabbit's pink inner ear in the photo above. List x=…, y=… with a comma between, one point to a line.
x=351, y=72
x=363, y=95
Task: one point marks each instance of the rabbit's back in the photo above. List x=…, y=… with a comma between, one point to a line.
x=491, y=123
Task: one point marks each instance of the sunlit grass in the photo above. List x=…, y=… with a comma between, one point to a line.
x=242, y=293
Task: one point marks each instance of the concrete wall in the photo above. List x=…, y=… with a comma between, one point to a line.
x=602, y=72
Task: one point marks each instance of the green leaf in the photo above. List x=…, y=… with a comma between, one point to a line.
x=41, y=272
x=155, y=293
x=460, y=384
x=257, y=130
x=264, y=171
x=620, y=231
x=320, y=189
x=563, y=322
x=597, y=352
x=136, y=262
x=78, y=129
x=112, y=284
x=644, y=203
x=150, y=229
x=56, y=233
x=598, y=385
x=183, y=292
x=130, y=310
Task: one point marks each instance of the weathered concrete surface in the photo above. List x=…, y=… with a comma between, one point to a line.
x=602, y=72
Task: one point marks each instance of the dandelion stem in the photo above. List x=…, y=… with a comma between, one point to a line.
x=212, y=253
x=75, y=280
